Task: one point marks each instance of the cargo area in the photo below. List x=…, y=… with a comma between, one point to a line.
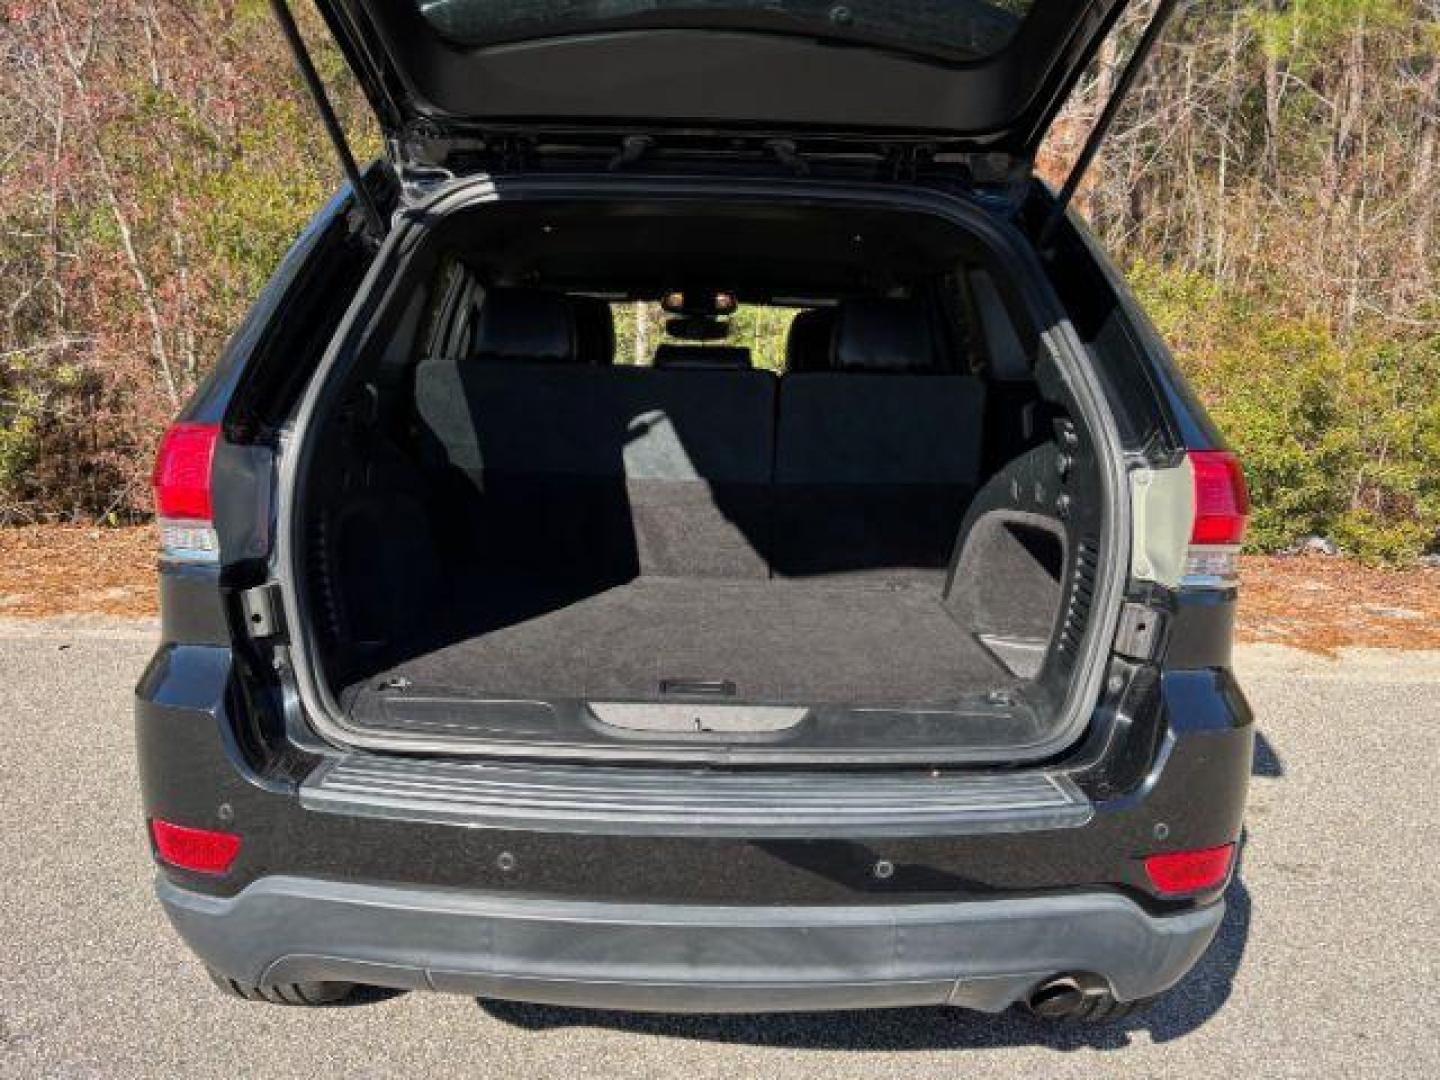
x=523, y=538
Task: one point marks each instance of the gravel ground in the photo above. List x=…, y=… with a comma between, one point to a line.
x=1326, y=965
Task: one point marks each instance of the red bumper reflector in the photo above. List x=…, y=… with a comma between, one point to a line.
x=1177, y=872
x=201, y=850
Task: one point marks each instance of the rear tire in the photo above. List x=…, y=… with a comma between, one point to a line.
x=312, y=994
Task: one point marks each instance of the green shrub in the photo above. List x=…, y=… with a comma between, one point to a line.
x=1339, y=440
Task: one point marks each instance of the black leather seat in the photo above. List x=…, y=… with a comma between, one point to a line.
x=807, y=344
x=525, y=324
x=599, y=471
x=893, y=336
x=877, y=457
x=594, y=331
x=603, y=473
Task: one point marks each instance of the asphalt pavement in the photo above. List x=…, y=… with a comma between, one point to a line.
x=1328, y=963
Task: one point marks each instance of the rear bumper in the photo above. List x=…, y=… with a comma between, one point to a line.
x=744, y=916
x=684, y=958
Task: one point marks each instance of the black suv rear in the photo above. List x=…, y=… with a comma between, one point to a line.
x=504, y=657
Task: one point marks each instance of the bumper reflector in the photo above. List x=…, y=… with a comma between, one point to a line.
x=201, y=850
x=1178, y=872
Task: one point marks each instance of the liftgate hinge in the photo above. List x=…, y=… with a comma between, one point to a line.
x=261, y=607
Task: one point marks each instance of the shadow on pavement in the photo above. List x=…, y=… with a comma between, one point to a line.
x=1267, y=762
x=369, y=995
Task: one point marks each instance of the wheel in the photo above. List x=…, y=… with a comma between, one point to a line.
x=301, y=993
x=1081, y=1001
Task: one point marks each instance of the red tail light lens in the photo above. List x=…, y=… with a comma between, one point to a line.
x=182, y=472
x=1222, y=502
x=201, y=850
x=1176, y=873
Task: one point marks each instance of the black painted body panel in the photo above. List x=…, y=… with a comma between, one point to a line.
x=191, y=767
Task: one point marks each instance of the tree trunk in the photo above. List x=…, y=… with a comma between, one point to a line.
x=1422, y=186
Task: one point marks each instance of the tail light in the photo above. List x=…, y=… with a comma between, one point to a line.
x=182, y=493
x=1177, y=873
x=1222, y=505
x=201, y=850
x=1190, y=520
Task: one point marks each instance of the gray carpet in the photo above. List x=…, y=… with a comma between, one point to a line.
x=776, y=640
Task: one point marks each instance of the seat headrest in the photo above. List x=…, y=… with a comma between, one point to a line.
x=807, y=345
x=883, y=335
x=524, y=324
x=720, y=357
x=594, y=331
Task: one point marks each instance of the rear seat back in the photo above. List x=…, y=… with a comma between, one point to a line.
x=632, y=470
x=873, y=470
x=586, y=472
x=807, y=343
x=603, y=472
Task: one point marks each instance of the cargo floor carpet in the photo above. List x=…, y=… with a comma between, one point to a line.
x=774, y=640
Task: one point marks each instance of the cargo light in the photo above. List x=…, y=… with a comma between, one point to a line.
x=202, y=850
x=1178, y=873
x=182, y=493
x=1222, y=507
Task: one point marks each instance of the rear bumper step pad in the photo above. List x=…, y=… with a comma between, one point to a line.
x=653, y=802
